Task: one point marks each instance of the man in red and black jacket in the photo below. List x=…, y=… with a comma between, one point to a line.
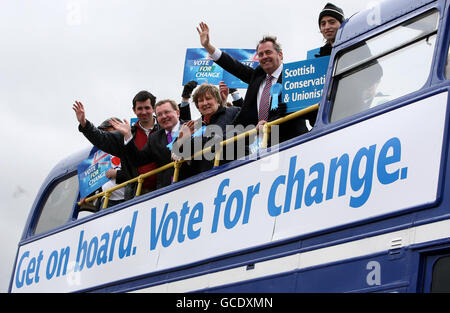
x=112, y=142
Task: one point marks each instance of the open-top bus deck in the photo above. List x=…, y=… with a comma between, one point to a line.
x=358, y=204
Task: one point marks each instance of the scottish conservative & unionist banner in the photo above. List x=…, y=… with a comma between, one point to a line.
x=303, y=82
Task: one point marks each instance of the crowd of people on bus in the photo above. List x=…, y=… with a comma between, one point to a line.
x=164, y=130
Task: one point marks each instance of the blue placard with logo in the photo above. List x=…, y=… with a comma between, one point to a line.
x=303, y=83
x=91, y=172
x=245, y=56
x=311, y=54
x=201, y=68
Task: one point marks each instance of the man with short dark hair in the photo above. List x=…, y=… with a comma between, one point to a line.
x=330, y=19
x=256, y=109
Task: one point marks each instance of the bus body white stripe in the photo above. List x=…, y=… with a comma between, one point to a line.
x=331, y=254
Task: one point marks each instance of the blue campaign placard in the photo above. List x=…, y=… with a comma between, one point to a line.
x=311, y=54
x=201, y=68
x=245, y=56
x=91, y=172
x=303, y=83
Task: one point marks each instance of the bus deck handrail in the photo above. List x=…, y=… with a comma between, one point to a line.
x=177, y=164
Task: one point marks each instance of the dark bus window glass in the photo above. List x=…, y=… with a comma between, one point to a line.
x=396, y=37
x=441, y=275
x=383, y=79
x=58, y=207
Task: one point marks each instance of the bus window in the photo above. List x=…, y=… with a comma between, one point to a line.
x=59, y=205
x=384, y=67
x=441, y=275
x=396, y=37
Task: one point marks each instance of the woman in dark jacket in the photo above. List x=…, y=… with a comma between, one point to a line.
x=207, y=131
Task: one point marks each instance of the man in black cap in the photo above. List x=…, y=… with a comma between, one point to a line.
x=330, y=19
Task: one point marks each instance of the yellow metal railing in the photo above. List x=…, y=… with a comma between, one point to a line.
x=177, y=164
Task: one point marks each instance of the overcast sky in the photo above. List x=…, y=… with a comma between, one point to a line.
x=102, y=52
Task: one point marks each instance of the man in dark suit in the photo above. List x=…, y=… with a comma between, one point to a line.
x=256, y=107
x=156, y=150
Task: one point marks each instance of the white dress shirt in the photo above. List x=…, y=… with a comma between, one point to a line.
x=275, y=75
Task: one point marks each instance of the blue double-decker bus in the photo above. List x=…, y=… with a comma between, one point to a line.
x=358, y=204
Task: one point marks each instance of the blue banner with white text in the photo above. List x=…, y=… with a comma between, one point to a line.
x=303, y=83
x=91, y=172
x=201, y=68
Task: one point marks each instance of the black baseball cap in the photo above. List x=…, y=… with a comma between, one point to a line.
x=106, y=124
x=333, y=11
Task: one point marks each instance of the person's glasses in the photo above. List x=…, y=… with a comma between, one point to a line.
x=160, y=114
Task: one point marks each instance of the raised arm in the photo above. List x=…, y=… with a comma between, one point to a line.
x=228, y=63
x=203, y=31
x=136, y=156
x=109, y=142
x=124, y=128
x=224, y=91
x=80, y=113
